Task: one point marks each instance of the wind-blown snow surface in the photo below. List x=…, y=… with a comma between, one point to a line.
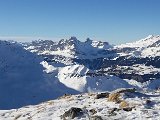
x=52, y=110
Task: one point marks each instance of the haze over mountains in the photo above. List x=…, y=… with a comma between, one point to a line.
x=42, y=70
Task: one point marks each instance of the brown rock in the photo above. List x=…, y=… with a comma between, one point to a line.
x=123, y=104
x=114, y=97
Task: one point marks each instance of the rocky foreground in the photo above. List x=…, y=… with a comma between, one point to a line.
x=121, y=104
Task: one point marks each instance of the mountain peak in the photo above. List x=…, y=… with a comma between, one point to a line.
x=89, y=41
x=73, y=38
x=149, y=37
x=153, y=38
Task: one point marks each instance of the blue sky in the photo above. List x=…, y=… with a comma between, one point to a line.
x=115, y=21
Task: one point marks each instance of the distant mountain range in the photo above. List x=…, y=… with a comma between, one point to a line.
x=139, y=60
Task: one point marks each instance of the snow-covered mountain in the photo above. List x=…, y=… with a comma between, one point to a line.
x=71, y=48
x=124, y=61
x=44, y=70
x=147, y=47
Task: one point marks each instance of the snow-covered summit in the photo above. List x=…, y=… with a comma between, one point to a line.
x=149, y=40
x=98, y=44
x=147, y=47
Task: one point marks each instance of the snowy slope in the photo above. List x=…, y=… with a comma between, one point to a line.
x=52, y=110
x=82, y=79
x=20, y=76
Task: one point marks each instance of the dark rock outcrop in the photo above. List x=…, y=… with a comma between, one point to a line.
x=72, y=113
x=102, y=95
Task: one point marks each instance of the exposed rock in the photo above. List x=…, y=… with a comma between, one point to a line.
x=127, y=109
x=148, y=101
x=72, y=113
x=95, y=118
x=112, y=111
x=102, y=95
x=123, y=104
x=93, y=111
x=65, y=96
x=17, y=117
x=149, y=104
x=114, y=97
